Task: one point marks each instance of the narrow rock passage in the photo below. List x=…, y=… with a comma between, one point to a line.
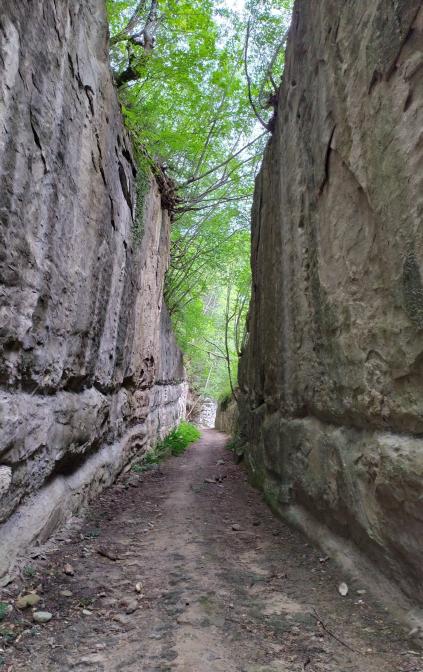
x=224, y=586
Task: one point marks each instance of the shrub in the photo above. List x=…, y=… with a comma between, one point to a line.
x=181, y=437
x=173, y=444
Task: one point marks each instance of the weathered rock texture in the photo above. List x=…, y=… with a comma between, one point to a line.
x=227, y=417
x=332, y=378
x=89, y=370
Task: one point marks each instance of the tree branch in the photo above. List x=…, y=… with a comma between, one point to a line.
x=250, y=96
x=223, y=163
x=269, y=69
x=125, y=33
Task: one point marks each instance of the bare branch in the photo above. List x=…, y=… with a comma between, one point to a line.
x=228, y=357
x=223, y=163
x=209, y=136
x=132, y=23
x=210, y=203
x=250, y=96
x=269, y=70
x=145, y=38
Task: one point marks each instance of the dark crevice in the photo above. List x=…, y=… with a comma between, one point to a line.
x=125, y=187
x=327, y=161
x=376, y=78
x=90, y=95
x=112, y=213
x=127, y=155
x=38, y=143
x=408, y=101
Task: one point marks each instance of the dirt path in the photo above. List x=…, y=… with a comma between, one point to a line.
x=213, y=598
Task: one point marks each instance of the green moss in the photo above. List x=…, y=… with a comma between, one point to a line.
x=4, y=610
x=235, y=445
x=29, y=571
x=271, y=494
x=413, y=290
x=142, y=186
x=225, y=400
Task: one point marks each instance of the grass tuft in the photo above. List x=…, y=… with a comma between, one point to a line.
x=29, y=571
x=175, y=443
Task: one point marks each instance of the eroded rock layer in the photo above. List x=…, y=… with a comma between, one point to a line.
x=90, y=373
x=332, y=377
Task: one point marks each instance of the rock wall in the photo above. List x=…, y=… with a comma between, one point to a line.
x=227, y=417
x=90, y=373
x=332, y=378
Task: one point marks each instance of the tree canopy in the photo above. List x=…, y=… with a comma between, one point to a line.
x=196, y=80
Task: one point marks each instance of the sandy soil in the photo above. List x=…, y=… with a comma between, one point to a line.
x=173, y=573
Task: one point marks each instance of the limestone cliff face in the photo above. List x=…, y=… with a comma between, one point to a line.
x=332, y=377
x=89, y=370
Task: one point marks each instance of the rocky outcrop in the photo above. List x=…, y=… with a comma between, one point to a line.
x=227, y=417
x=90, y=373
x=332, y=385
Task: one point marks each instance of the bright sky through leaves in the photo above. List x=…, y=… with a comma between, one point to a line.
x=186, y=104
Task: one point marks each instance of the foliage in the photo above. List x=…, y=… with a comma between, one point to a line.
x=266, y=57
x=4, y=610
x=225, y=400
x=181, y=437
x=29, y=571
x=180, y=68
x=142, y=185
x=173, y=444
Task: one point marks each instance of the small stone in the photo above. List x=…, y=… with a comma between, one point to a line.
x=220, y=462
x=131, y=607
x=41, y=616
x=138, y=587
x=130, y=604
x=236, y=527
x=87, y=612
x=91, y=659
x=343, y=589
x=26, y=601
x=361, y=592
x=66, y=593
x=107, y=553
x=68, y=570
